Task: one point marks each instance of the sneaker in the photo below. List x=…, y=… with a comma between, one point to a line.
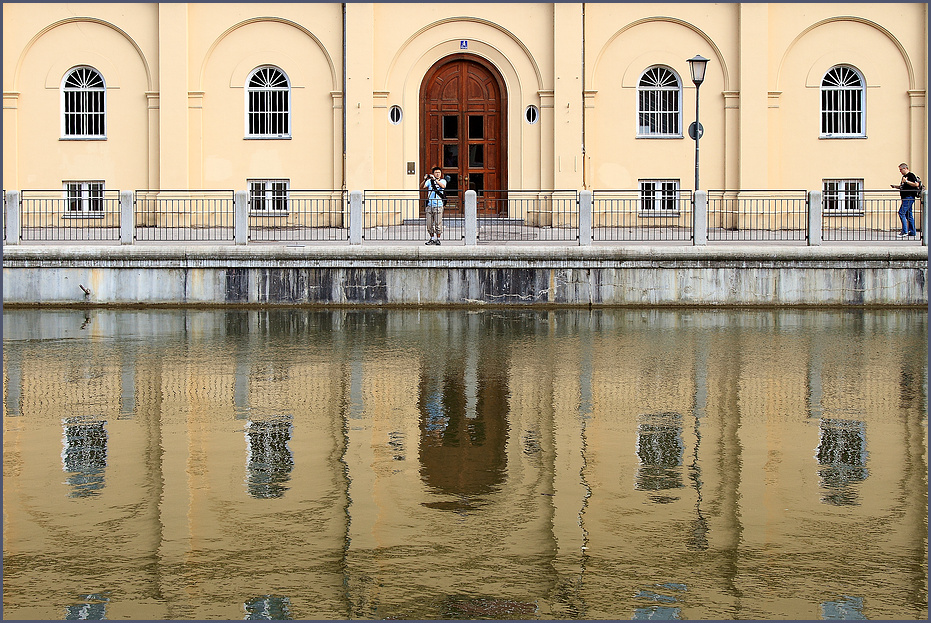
x=914, y=233
x=900, y=234
x=429, y=241
x=436, y=242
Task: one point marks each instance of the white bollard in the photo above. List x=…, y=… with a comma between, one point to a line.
x=127, y=218
x=815, y=234
x=12, y=218
x=700, y=216
x=585, y=218
x=241, y=217
x=355, y=217
x=470, y=214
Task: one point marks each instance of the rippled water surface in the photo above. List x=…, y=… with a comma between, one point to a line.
x=215, y=464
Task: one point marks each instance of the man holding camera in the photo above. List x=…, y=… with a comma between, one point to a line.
x=908, y=190
x=436, y=195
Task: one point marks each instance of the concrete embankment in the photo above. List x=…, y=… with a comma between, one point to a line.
x=456, y=275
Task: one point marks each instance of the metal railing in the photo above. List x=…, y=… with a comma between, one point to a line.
x=309, y=215
x=497, y=217
x=757, y=215
x=184, y=215
x=620, y=215
x=399, y=215
x=866, y=215
x=527, y=215
x=53, y=215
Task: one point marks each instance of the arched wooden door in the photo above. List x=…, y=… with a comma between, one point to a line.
x=462, y=128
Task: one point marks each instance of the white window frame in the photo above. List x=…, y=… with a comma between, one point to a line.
x=842, y=196
x=842, y=103
x=272, y=195
x=658, y=197
x=84, y=198
x=273, y=92
x=86, y=96
x=662, y=88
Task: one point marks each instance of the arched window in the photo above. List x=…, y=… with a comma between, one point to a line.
x=659, y=94
x=268, y=104
x=842, y=102
x=83, y=104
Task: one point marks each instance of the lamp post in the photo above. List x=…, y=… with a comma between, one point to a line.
x=697, y=65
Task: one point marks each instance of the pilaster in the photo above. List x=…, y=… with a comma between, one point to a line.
x=173, y=123
x=360, y=117
x=753, y=75
x=567, y=100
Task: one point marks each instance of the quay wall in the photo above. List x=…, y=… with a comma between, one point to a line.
x=652, y=276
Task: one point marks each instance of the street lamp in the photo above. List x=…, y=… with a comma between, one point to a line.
x=697, y=66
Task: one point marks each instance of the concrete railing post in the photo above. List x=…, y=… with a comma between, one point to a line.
x=127, y=217
x=585, y=218
x=470, y=214
x=355, y=217
x=700, y=215
x=924, y=218
x=241, y=217
x=13, y=216
x=815, y=234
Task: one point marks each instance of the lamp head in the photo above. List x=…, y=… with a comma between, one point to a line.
x=697, y=65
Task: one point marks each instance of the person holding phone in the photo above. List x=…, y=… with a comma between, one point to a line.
x=436, y=197
x=908, y=190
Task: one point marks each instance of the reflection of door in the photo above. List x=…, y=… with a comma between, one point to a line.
x=462, y=128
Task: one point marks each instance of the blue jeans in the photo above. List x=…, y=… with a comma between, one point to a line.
x=905, y=215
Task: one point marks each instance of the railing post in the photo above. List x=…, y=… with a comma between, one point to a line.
x=700, y=216
x=13, y=217
x=585, y=218
x=470, y=214
x=355, y=217
x=815, y=235
x=241, y=217
x=127, y=217
x=924, y=218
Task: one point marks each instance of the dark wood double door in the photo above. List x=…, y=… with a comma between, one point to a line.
x=463, y=129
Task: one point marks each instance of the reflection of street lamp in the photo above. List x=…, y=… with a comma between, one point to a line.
x=697, y=66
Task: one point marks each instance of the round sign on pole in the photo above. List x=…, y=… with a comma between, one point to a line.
x=701, y=131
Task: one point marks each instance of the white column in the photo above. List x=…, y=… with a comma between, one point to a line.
x=12, y=218
x=700, y=215
x=241, y=217
x=814, y=218
x=470, y=213
x=127, y=217
x=355, y=217
x=585, y=218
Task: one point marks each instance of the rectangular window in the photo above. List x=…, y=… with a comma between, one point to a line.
x=268, y=196
x=659, y=196
x=843, y=195
x=84, y=197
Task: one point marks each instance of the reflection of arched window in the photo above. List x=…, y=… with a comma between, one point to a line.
x=842, y=456
x=83, y=104
x=842, y=102
x=84, y=456
x=269, y=459
x=660, y=450
x=268, y=104
x=268, y=607
x=658, y=110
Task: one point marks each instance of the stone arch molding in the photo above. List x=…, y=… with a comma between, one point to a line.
x=252, y=60
x=495, y=44
x=633, y=70
x=853, y=56
x=89, y=57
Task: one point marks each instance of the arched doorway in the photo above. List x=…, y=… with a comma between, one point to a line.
x=463, y=123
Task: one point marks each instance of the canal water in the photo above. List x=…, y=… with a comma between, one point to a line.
x=465, y=464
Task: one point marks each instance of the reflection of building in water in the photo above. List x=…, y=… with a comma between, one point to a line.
x=268, y=607
x=842, y=456
x=660, y=449
x=463, y=408
x=94, y=608
x=84, y=455
x=268, y=458
x=844, y=609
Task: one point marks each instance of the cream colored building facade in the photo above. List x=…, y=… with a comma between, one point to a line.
x=580, y=95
